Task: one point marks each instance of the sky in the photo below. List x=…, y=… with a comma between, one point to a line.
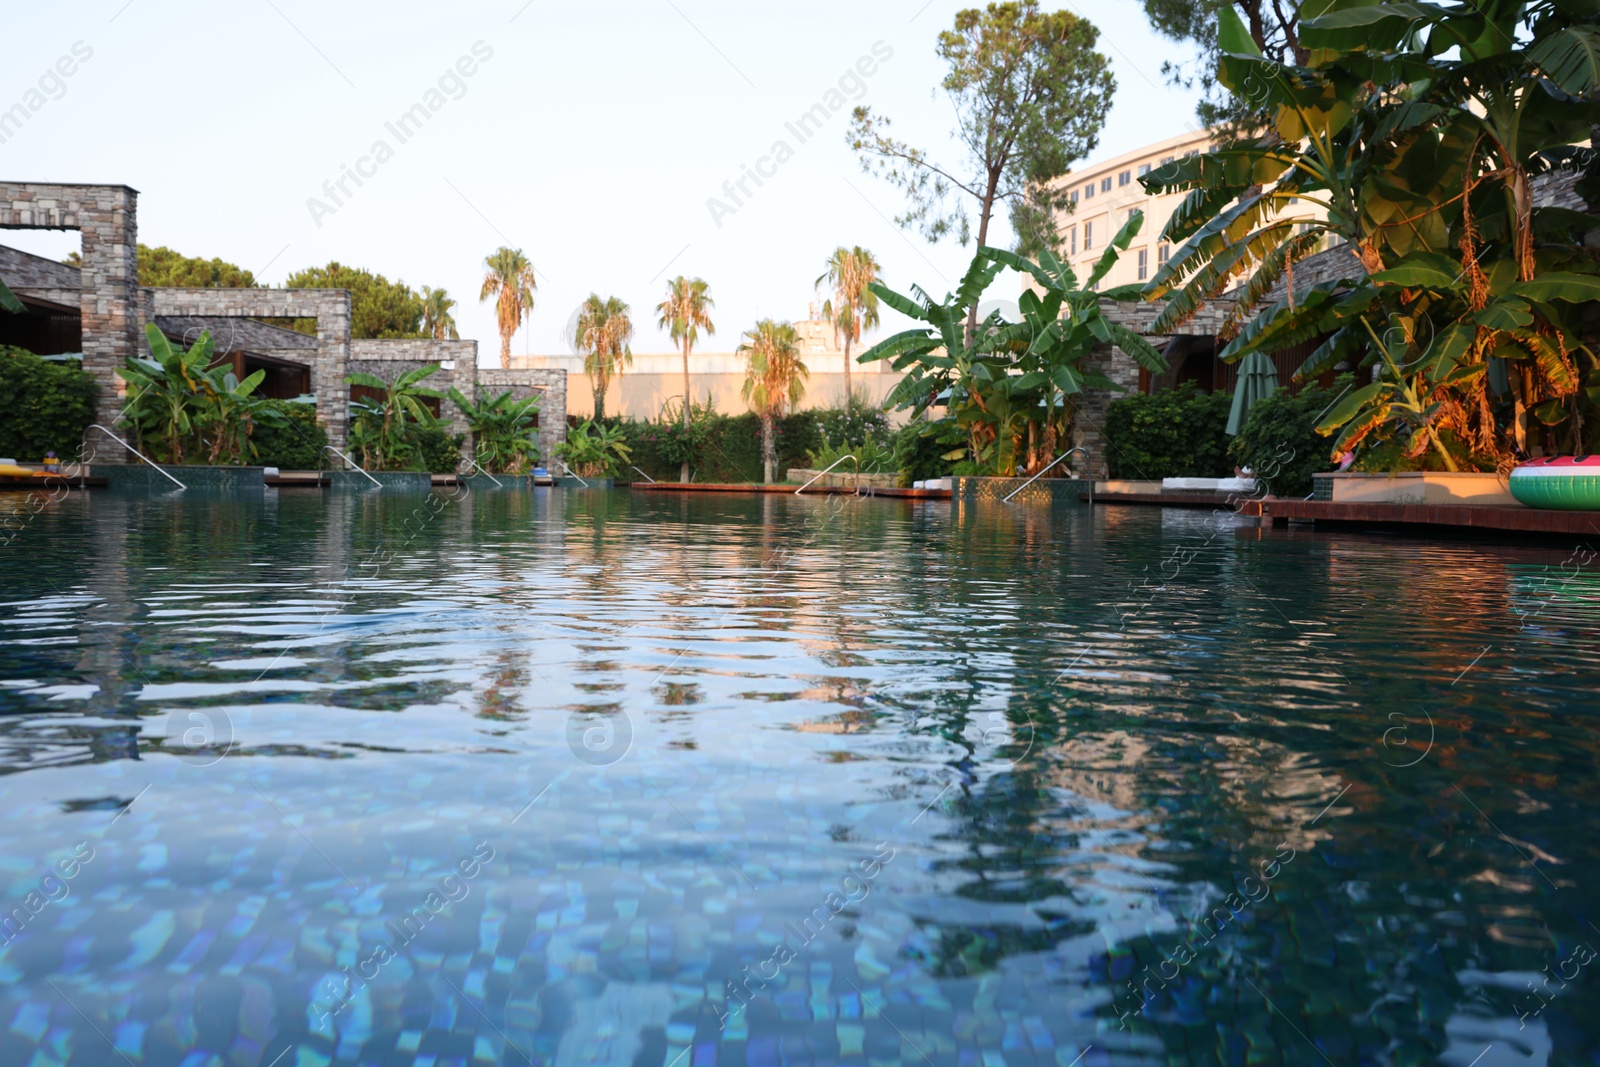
x=590, y=135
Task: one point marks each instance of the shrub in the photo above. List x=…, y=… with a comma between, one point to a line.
x=729, y=452
x=44, y=406
x=872, y=457
x=295, y=446
x=434, y=450
x=1181, y=433
x=922, y=448
x=1280, y=442
x=856, y=420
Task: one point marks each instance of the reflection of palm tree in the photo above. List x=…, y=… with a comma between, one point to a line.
x=685, y=312
x=774, y=379
x=853, y=305
x=510, y=282
x=604, y=331
x=437, y=321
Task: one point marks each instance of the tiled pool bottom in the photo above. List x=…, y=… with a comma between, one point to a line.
x=574, y=778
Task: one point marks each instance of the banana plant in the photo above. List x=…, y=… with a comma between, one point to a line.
x=595, y=451
x=9, y=301
x=504, y=430
x=1008, y=386
x=382, y=429
x=1418, y=129
x=168, y=394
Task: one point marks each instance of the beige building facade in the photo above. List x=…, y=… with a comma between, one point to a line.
x=1105, y=195
x=654, y=379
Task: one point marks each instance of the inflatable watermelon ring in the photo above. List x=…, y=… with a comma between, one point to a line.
x=1562, y=483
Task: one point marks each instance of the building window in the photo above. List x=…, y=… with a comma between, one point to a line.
x=1072, y=197
x=1162, y=253
x=1105, y=185
x=1144, y=263
x=1088, y=236
x=1166, y=160
x=1072, y=240
x=1124, y=178
x=1132, y=211
x=1088, y=190
x=1144, y=168
x=1191, y=152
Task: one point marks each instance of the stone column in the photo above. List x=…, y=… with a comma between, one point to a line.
x=331, y=364
x=107, y=217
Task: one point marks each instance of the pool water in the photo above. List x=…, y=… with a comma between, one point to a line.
x=579, y=777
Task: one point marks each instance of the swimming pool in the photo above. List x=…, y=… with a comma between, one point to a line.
x=574, y=777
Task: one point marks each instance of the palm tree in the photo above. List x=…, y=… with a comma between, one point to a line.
x=854, y=305
x=774, y=379
x=510, y=281
x=437, y=322
x=685, y=312
x=604, y=333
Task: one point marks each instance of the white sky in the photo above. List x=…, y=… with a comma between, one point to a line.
x=591, y=139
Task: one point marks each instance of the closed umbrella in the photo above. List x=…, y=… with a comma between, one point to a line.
x=1258, y=379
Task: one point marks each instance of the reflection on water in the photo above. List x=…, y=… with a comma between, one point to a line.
x=581, y=778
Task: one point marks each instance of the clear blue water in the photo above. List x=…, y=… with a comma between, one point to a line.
x=584, y=778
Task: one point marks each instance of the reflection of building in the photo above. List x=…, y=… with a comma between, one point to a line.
x=98, y=313
x=653, y=379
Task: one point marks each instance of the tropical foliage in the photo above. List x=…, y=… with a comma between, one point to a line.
x=185, y=409
x=45, y=406
x=683, y=314
x=594, y=450
x=385, y=429
x=1174, y=433
x=1280, y=443
x=509, y=281
x=1030, y=95
x=1420, y=130
x=853, y=305
x=437, y=320
x=379, y=308
x=505, y=431
x=604, y=335
x=1272, y=24
x=1008, y=385
x=9, y=301
x=775, y=379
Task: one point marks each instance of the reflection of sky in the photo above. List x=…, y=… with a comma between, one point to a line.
x=1065, y=795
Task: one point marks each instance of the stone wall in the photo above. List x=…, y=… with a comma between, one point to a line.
x=1091, y=406
x=457, y=360
x=329, y=364
x=549, y=384
x=106, y=216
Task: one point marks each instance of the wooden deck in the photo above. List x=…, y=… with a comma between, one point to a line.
x=17, y=483
x=1424, y=517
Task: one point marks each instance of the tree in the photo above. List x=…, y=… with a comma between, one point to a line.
x=774, y=379
x=684, y=313
x=510, y=281
x=505, y=431
x=383, y=430
x=1418, y=129
x=437, y=322
x=379, y=308
x=604, y=333
x=1274, y=26
x=851, y=272
x=1009, y=387
x=1030, y=95
x=162, y=268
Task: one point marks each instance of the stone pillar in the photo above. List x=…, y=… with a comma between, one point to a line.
x=107, y=217
x=329, y=368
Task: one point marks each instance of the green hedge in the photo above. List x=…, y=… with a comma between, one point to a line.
x=295, y=447
x=732, y=449
x=44, y=406
x=1280, y=442
x=1181, y=433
